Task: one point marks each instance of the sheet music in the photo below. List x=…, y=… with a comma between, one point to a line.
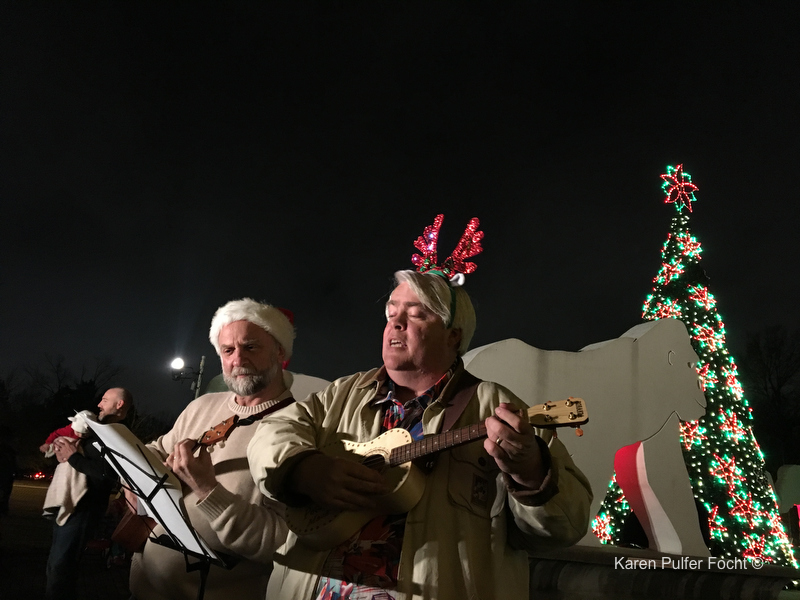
x=158, y=488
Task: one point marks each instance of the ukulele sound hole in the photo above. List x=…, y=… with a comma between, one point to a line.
x=376, y=462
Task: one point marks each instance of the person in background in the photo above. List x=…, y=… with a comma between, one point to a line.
x=68, y=485
x=70, y=537
x=8, y=469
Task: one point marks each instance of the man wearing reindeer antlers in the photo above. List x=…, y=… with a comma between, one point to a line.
x=253, y=341
x=368, y=529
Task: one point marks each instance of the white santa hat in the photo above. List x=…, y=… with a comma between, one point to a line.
x=275, y=321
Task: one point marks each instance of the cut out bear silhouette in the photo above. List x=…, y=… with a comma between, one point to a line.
x=637, y=388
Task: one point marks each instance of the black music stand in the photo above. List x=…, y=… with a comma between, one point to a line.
x=159, y=490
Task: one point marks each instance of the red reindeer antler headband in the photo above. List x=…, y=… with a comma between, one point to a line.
x=455, y=266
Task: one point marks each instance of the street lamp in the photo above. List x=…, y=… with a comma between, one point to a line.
x=181, y=372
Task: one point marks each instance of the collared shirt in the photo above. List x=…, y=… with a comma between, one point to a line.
x=409, y=415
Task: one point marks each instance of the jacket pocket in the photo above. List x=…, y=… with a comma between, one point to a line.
x=473, y=483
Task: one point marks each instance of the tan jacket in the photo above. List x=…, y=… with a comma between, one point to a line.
x=460, y=541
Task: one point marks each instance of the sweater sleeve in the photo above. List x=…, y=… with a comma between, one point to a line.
x=180, y=430
x=253, y=531
x=163, y=445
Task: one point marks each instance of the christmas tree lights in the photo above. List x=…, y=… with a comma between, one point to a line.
x=723, y=460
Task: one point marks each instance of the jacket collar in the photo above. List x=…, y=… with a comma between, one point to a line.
x=371, y=377
x=376, y=378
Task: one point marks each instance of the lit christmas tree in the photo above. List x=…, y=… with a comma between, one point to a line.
x=723, y=459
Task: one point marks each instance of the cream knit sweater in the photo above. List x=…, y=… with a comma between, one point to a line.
x=234, y=519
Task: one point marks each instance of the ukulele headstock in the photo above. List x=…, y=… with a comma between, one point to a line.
x=563, y=413
x=219, y=433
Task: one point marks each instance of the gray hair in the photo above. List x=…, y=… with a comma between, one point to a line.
x=437, y=295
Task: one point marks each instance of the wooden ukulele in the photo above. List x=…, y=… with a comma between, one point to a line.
x=218, y=434
x=391, y=454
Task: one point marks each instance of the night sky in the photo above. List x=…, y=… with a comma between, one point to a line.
x=160, y=159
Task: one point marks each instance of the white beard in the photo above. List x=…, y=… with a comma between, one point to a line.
x=254, y=381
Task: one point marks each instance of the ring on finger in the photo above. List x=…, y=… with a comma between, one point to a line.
x=498, y=440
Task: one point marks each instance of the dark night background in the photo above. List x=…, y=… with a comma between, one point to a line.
x=160, y=159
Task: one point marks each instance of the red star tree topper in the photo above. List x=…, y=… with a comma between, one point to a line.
x=678, y=188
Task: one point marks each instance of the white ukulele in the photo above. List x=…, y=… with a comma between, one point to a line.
x=391, y=454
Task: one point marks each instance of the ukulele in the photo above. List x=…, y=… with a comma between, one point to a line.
x=391, y=453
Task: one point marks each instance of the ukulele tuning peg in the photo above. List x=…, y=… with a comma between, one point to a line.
x=578, y=431
x=222, y=444
x=210, y=449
